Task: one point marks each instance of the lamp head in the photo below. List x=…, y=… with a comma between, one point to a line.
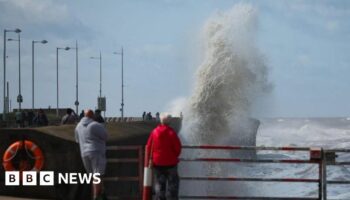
x=44, y=41
x=67, y=48
x=17, y=30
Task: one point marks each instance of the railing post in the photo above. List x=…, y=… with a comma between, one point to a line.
x=316, y=154
x=324, y=175
x=147, y=178
x=329, y=157
x=140, y=152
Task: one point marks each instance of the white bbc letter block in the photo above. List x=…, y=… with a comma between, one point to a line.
x=29, y=178
x=12, y=178
x=46, y=178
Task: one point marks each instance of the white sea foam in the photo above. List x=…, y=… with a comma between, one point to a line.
x=316, y=132
x=228, y=81
x=232, y=75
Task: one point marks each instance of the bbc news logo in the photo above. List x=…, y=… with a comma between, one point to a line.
x=47, y=178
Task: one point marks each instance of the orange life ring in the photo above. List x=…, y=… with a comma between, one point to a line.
x=32, y=150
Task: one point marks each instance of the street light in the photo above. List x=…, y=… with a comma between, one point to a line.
x=5, y=106
x=34, y=42
x=76, y=103
x=58, y=48
x=19, y=97
x=122, y=103
x=100, y=58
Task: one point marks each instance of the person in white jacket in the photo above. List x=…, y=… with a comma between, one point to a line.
x=92, y=137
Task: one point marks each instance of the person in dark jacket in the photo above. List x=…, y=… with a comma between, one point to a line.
x=157, y=117
x=19, y=119
x=81, y=115
x=144, y=116
x=70, y=117
x=149, y=116
x=98, y=116
x=40, y=119
x=165, y=146
x=30, y=117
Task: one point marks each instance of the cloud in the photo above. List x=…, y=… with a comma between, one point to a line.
x=320, y=16
x=55, y=22
x=29, y=12
x=321, y=8
x=332, y=25
x=154, y=55
x=327, y=16
x=155, y=49
x=47, y=18
x=303, y=60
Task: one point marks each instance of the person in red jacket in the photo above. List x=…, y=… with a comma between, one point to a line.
x=165, y=148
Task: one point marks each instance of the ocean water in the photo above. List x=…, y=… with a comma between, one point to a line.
x=328, y=133
x=322, y=132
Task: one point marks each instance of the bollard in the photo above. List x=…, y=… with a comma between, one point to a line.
x=147, y=178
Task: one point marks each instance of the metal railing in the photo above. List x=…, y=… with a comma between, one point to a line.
x=330, y=159
x=124, y=119
x=317, y=156
x=138, y=161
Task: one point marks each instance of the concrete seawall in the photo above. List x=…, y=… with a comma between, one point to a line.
x=62, y=155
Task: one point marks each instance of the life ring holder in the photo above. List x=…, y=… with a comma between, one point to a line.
x=32, y=150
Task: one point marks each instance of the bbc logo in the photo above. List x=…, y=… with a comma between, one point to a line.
x=46, y=178
x=29, y=178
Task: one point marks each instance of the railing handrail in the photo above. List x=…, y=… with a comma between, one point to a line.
x=338, y=150
x=233, y=147
x=232, y=178
x=278, y=148
x=249, y=160
x=124, y=147
x=318, y=155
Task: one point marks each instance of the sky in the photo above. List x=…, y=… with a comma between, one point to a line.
x=306, y=45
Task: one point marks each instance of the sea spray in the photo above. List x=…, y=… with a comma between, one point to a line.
x=233, y=74
x=230, y=79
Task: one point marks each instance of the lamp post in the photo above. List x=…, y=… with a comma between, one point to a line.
x=122, y=103
x=100, y=58
x=8, y=96
x=19, y=97
x=33, y=43
x=58, y=48
x=76, y=103
x=5, y=106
